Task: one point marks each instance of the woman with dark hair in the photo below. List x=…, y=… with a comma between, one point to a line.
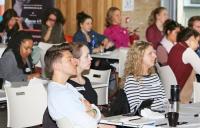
x=10, y=25
x=52, y=26
x=171, y=29
x=154, y=32
x=95, y=41
x=15, y=63
x=114, y=31
x=183, y=61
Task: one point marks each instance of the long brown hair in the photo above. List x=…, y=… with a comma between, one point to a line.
x=152, y=17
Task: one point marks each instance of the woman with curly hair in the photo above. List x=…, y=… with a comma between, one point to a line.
x=16, y=62
x=52, y=26
x=141, y=81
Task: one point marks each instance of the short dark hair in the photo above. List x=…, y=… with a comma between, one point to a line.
x=192, y=20
x=54, y=11
x=170, y=25
x=81, y=17
x=53, y=54
x=186, y=33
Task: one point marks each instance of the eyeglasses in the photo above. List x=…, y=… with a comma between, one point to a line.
x=53, y=20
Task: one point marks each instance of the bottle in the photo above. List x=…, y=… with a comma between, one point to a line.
x=175, y=90
x=4, y=37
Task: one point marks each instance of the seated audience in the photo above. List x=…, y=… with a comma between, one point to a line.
x=52, y=26
x=194, y=23
x=171, y=29
x=10, y=25
x=95, y=41
x=154, y=32
x=64, y=101
x=141, y=81
x=183, y=60
x=114, y=31
x=81, y=83
x=16, y=63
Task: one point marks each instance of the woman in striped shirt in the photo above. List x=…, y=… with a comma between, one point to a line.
x=141, y=80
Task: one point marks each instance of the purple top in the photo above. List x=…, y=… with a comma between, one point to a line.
x=154, y=35
x=118, y=35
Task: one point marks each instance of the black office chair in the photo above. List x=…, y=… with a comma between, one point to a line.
x=120, y=105
x=1, y=83
x=48, y=122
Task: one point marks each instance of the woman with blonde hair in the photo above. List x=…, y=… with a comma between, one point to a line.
x=141, y=81
x=114, y=31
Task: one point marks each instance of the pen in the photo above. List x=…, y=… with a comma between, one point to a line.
x=134, y=119
x=161, y=124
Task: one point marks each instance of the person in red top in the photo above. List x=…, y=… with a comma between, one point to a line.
x=183, y=61
x=154, y=32
x=114, y=31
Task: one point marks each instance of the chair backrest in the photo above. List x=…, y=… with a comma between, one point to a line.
x=167, y=78
x=2, y=49
x=44, y=47
x=100, y=82
x=99, y=76
x=68, y=38
x=122, y=60
x=196, y=92
x=2, y=96
x=120, y=104
x=26, y=105
x=48, y=122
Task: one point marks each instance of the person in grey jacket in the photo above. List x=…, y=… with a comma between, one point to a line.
x=15, y=64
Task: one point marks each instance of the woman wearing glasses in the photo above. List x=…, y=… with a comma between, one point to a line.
x=52, y=26
x=16, y=63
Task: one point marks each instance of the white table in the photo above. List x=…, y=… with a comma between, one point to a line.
x=186, y=114
x=118, y=54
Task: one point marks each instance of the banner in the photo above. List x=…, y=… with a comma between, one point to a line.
x=31, y=12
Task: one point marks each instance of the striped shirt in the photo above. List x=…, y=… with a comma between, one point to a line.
x=145, y=88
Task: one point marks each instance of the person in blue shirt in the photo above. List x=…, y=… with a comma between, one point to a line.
x=95, y=41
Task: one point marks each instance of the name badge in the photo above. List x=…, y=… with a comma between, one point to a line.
x=27, y=70
x=80, y=88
